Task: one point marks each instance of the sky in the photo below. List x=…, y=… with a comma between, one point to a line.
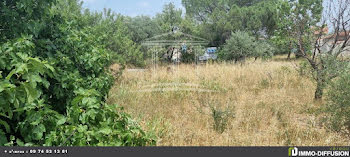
x=131, y=7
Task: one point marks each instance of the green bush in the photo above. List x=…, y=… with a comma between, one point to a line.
x=220, y=113
x=241, y=45
x=263, y=50
x=238, y=47
x=338, y=107
x=221, y=118
x=54, y=83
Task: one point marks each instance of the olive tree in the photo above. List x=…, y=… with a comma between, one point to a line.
x=324, y=51
x=242, y=45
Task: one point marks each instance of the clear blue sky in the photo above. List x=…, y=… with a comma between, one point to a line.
x=130, y=7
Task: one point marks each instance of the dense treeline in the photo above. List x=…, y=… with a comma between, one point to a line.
x=215, y=21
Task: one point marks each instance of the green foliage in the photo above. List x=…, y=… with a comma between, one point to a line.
x=263, y=50
x=338, y=107
x=238, y=47
x=142, y=27
x=323, y=72
x=242, y=45
x=220, y=113
x=188, y=57
x=114, y=34
x=297, y=17
x=109, y=28
x=221, y=118
x=169, y=18
x=282, y=38
x=304, y=69
x=54, y=83
x=22, y=17
x=217, y=19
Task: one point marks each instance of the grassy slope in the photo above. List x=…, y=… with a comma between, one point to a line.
x=272, y=105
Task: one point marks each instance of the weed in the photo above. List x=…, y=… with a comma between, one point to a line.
x=221, y=118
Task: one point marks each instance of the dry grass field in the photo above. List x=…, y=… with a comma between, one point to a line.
x=257, y=104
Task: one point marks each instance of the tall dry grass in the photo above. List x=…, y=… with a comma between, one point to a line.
x=271, y=104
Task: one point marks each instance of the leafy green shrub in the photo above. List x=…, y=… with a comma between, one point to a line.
x=188, y=56
x=304, y=69
x=263, y=50
x=220, y=114
x=238, y=47
x=338, y=106
x=113, y=34
x=54, y=83
x=241, y=45
x=221, y=118
x=281, y=43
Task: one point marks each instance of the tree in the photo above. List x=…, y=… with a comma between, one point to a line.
x=113, y=33
x=217, y=19
x=263, y=49
x=285, y=37
x=201, y=9
x=142, y=27
x=245, y=2
x=189, y=26
x=169, y=18
x=238, y=47
x=309, y=26
x=241, y=45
